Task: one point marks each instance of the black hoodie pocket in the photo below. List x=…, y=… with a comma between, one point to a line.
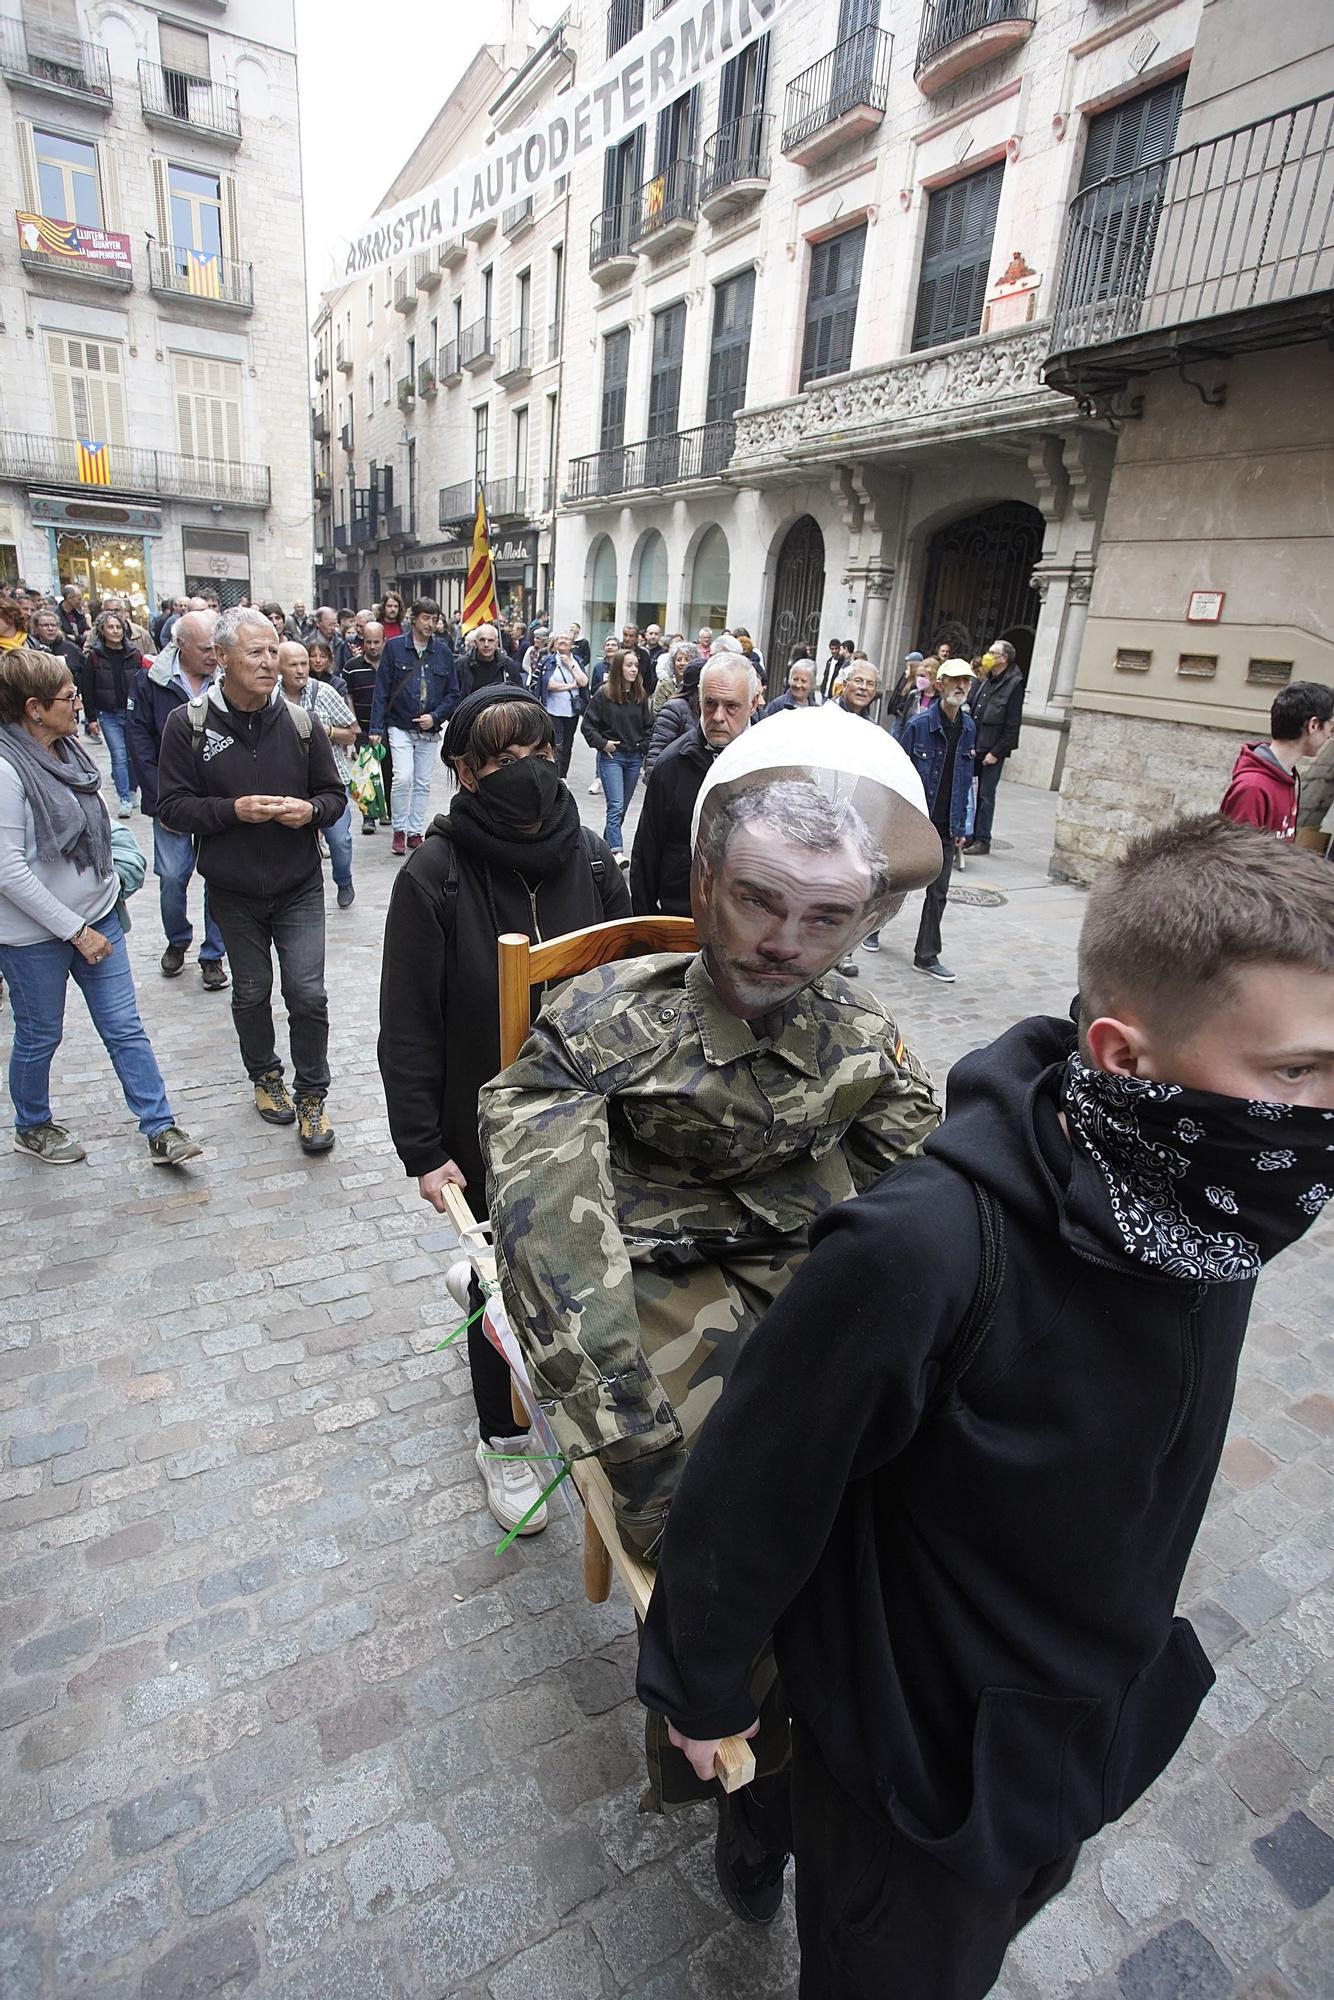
x=1020, y=1816
x=1156, y=1711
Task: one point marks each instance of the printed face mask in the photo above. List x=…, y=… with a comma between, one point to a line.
x=521, y=794
x=1198, y=1186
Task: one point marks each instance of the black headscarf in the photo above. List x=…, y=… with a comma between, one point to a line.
x=537, y=855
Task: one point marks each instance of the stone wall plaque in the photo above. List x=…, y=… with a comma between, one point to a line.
x=1132, y=660
x=1269, y=673
x=1197, y=666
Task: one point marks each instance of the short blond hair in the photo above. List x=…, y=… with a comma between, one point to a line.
x=28, y=674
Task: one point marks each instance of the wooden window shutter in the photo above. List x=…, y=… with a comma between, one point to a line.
x=32, y=199
x=231, y=232
x=162, y=197
x=62, y=400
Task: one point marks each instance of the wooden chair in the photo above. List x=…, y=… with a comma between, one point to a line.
x=524, y=965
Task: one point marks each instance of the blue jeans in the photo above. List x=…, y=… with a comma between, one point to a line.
x=988, y=777
x=112, y=724
x=415, y=756
x=618, y=775
x=38, y=975
x=174, y=864
x=339, y=837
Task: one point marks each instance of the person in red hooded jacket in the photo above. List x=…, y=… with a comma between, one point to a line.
x=1264, y=787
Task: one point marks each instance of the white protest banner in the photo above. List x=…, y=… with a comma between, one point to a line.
x=678, y=50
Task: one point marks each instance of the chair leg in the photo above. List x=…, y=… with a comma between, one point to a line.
x=516, y=1404
x=597, y=1564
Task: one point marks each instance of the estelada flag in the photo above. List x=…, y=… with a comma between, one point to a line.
x=479, y=595
x=202, y=279
x=94, y=463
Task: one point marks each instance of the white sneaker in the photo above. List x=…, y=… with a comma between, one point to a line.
x=594, y=789
x=512, y=1484
x=457, y=1280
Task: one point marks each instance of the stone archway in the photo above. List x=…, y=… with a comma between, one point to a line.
x=978, y=584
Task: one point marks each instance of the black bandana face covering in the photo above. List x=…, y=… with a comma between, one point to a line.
x=1192, y=1185
x=520, y=795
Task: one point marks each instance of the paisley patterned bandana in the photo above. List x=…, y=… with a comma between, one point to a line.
x=1192, y=1185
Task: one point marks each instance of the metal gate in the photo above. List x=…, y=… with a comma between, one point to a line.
x=798, y=596
x=978, y=585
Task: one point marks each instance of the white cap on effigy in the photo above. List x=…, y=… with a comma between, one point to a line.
x=827, y=747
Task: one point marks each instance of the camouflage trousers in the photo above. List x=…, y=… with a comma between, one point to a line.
x=697, y=1309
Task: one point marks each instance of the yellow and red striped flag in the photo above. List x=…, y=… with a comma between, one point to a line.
x=202, y=274
x=479, y=593
x=94, y=463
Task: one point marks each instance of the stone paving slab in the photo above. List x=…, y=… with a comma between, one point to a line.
x=275, y=1719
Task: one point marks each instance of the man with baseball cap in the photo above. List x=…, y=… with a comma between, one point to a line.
x=941, y=741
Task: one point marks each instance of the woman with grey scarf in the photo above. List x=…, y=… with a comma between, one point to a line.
x=58, y=916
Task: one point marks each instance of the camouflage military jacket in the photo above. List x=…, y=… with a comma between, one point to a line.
x=639, y=1111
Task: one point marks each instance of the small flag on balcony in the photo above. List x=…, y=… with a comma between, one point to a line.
x=656, y=196
x=479, y=595
x=203, y=278
x=94, y=463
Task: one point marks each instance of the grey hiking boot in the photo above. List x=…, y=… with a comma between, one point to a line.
x=51, y=1143
x=173, y=1147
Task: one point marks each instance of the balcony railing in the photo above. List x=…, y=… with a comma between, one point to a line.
x=450, y=252
x=319, y=427
x=450, y=367
x=405, y=292
x=55, y=62
x=194, y=274
x=959, y=35
x=363, y=529
x=342, y=536
x=652, y=462
x=475, y=343
x=426, y=270
x=1232, y=226
x=407, y=392
x=666, y=206
x=426, y=384
x=345, y=438
x=169, y=96
x=737, y=153
x=518, y=218
x=321, y=367
x=505, y=498
x=625, y=18
x=35, y=460
x=852, y=78
x=611, y=235
x=553, y=341
x=342, y=357
x=516, y=356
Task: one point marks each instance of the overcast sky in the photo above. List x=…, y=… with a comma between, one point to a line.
x=372, y=77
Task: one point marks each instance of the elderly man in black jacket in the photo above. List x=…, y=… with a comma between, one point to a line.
x=997, y=707
x=660, y=861
x=252, y=779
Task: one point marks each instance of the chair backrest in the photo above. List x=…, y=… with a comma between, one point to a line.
x=524, y=965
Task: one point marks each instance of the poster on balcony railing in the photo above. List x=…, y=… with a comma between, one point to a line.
x=674, y=51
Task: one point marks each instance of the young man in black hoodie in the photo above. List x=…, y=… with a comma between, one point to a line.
x=968, y=1545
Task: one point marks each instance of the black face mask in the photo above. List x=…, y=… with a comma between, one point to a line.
x=521, y=794
x=1198, y=1186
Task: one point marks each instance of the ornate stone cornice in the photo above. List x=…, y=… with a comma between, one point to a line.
x=972, y=385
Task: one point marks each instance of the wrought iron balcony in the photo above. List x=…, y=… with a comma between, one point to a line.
x=207, y=279
x=426, y=270
x=736, y=164
x=516, y=358
x=666, y=208
x=625, y=18
x=323, y=485
x=451, y=252
x=342, y=357
x=960, y=35
x=505, y=499
x=515, y=220
x=1221, y=246
x=345, y=438
x=365, y=527
x=841, y=97
x=611, y=253
x=405, y=292
x=172, y=98
x=553, y=341
x=319, y=427
x=655, y=462
x=407, y=393
x=321, y=367
x=458, y=503
x=475, y=349
x=426, y=383
x=549, y=493
x=450, y=368
x=342, y=536
x=52, y=62
x=37, y=460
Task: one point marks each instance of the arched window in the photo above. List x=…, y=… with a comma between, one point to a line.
x=601, y=593
x=651, y=593
x=709, y=583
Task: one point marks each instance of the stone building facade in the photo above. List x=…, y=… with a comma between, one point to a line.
x=153, y=417
x=808, y=387
x=445, y=370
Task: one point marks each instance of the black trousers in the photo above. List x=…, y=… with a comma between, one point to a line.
x=565, y=727
x=490, y=1379
x=253, y=929
x=877, y=1918
x=927, y=946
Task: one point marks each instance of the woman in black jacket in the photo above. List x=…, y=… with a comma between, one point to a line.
x=109, y=666
x=509, y=855
x=618, y=722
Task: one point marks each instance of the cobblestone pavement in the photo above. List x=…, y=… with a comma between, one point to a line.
x=276, y=1720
